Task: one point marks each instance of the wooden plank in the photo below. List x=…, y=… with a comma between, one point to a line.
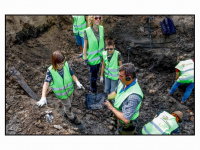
x=20, y=80
x=178, y=103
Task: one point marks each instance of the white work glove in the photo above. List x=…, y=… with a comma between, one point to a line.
x=42, y=102
x=79, y=85
x=101, y=79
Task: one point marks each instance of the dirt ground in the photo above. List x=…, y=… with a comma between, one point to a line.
x=30, y=55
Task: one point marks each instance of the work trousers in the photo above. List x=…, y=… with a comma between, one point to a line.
x=110, y=85
x=68, y=107
x=79, y=40
x=94, y=69
x=187, y=92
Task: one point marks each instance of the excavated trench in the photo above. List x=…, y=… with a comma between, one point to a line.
x=30, y=55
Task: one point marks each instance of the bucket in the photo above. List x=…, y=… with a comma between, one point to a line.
x=127, y=129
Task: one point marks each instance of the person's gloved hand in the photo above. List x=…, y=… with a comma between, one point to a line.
x=79, y=85
x=101, y=79
x=85, y=62
x=42, y=102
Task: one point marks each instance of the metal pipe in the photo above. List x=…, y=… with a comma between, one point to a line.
x=150, y=31
x=128, y=48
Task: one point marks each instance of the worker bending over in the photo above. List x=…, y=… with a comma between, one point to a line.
x=163, y=123
x=184, y=75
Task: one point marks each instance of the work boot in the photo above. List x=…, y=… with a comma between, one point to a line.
x=75, y=121
x=182, y=102
x=81, y=55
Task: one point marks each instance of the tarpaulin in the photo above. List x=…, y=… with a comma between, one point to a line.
x=95, y=100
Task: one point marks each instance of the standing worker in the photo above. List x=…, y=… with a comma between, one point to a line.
x=93, y=48
x=79, y=25
x=163, y=123
x=184, y=75
x=110, y=66
x=128, y=98
x=60, y=77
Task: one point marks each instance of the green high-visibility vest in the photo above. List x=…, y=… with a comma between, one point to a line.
x=79, y=25
x=62, y=87
x=186, y=71
x=120, y=97
x=165, y=123
x=95, y=48
x=111, y=69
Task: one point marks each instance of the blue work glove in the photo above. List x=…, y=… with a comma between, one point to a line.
x=85, y=62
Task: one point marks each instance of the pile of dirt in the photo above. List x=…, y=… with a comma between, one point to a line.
x=155, y=72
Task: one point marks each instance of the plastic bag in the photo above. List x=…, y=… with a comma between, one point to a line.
x=95, y=100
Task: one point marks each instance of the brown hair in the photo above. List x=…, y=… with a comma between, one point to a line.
x=129, y=69
x=56, y=58
x=110, y=41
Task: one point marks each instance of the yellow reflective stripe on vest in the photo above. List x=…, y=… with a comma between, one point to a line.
x=95, y=52
x=64, y=93
x=93, y=59
x=62, y=88
x=157, y=127
x=145, y=129
x=75, y=31
x=79, y=26
x=113, y=70
x=187, y=70
x=81, y=32
x=113, y=75
x=182, y=79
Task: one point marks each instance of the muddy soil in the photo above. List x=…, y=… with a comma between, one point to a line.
x=29, y=52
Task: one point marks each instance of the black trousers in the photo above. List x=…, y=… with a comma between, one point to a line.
x=94, y=69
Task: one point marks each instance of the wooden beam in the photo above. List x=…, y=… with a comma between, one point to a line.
x=20, y=80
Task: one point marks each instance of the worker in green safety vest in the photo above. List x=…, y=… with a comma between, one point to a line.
x=163, y=123
x=110, y=66
x=184, y=75
x=79, y=26
x=128, y=98
x=60, y=77
x=93, y=48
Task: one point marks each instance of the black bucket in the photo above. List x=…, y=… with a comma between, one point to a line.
x=128, y=129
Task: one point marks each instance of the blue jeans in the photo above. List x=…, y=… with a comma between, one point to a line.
x=79, y=40
x=187, y=92
x=110, y=85
x=94, y=69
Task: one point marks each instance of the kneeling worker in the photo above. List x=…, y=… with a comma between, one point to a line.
x=128, y=98
x=163, y=123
